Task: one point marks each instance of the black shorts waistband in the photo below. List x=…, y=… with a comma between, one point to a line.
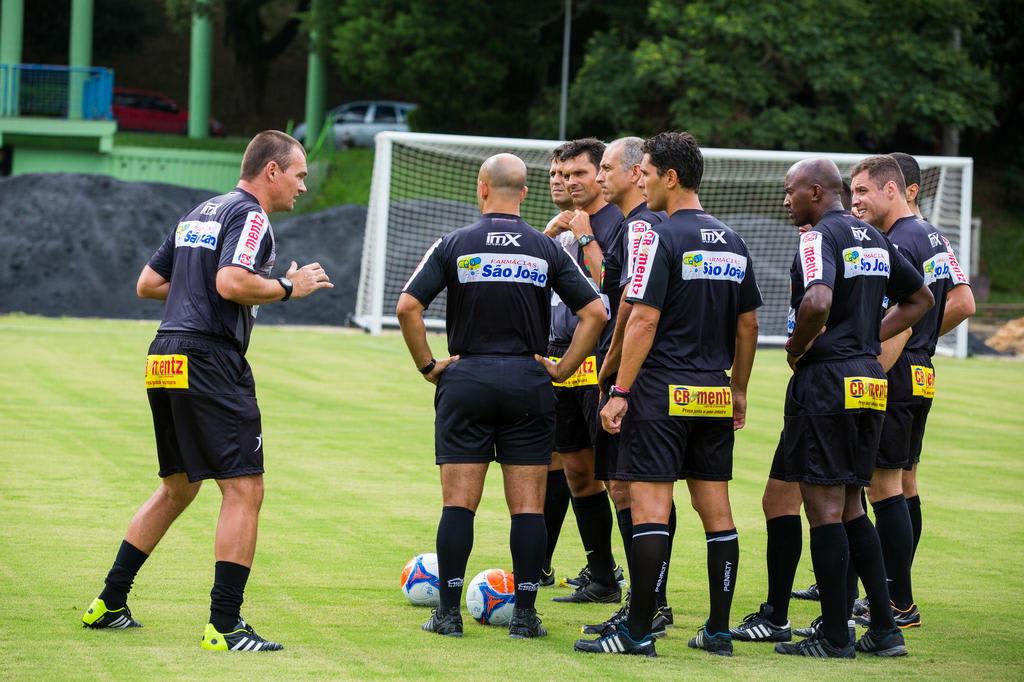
x=212, y=339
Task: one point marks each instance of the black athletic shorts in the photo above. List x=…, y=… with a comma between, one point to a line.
x=911, y=389
x=606, y=445
x=778, y=470
x=203, y=399
x=494, y=407
x=679, y=425
x=833, y=421
x=576, y=411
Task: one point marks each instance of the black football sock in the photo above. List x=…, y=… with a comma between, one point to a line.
x=454, y=543
x=830, y=554
x=556, y=504
x=650, y=561
x=785, y=543
x=226, y=596
x=625, y=519
x=914, y=507
x=895, y=532
x=663, y=590
x=594, y=519
x=527, y=541
x=723, y=562
x=122, y=574
x=866, y=555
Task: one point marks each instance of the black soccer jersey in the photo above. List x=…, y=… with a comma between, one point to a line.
x=861, y=267
x=607, y=227
x=499, y=273
x=229, y=230
x=930, y=253
x=698, y=272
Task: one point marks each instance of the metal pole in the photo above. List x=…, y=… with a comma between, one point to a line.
x=11, y=26
x=199, y=72
x=563, y=104
x=316, y=81
x=79, y=54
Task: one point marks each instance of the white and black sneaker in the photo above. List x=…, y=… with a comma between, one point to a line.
x=617, y=642
x=887, y=643
x=815, y=646
x=758, y=627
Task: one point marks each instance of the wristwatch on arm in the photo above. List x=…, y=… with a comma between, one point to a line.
x=585, y=239
x=287, y=285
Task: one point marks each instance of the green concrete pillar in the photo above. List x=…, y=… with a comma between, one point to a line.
x=79, y=54
x=316, y=80
x=12, y=18
x=200, y=57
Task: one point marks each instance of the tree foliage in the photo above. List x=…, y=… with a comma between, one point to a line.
x=799, y=74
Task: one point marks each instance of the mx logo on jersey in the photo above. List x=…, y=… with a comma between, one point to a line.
x=503, y=238
x=712, y=236
x=861, y=234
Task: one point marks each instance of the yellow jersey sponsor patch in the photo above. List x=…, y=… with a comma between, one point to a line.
x=866, y=393
x=586, y=375
x=167, y=371
x=922, y=379
x=699, y=401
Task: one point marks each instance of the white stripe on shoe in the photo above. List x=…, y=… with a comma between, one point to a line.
x=240, y=643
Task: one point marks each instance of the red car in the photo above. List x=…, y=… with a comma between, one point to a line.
x=153, y=112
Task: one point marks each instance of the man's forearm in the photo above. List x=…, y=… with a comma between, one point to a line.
x=584, y=340
x=614, y=356
x=893, y=348
x=157, y=293
x=414, y=332
x=248, y=288
x=593, y=257
x=743, y=361
x=636, y=344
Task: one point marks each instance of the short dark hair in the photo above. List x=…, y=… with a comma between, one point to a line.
x=911, y=169
x=881, y=168
x=846, y=196
x=679, y=152
x=270, y=145
x=591, y=146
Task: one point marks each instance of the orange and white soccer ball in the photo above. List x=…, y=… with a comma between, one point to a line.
x=420, y=581
x=491, y=597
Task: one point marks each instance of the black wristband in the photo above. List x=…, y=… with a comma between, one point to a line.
x=428, y=368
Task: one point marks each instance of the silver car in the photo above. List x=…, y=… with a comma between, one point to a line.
x=355, y=123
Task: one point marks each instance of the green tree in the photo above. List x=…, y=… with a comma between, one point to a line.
x=799, y=74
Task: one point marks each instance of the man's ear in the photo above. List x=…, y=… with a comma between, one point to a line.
x=671, y=178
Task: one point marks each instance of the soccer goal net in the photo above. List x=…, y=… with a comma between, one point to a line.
x=424, y=186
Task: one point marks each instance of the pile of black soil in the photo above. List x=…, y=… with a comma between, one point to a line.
x=75, y=244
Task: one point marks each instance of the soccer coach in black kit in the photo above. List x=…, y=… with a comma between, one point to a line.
x=494, y=399
x=212, y=271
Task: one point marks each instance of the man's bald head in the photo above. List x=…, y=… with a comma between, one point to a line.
x=504, y=173
x=822, y=172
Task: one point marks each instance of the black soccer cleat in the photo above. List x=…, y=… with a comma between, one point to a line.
x=242, y=638
x=585, y=577
x=815, y=646
x=525, y=623
x=815, y=626
x=592, y=593
x=99, y=617
x=887, y=643
x=758, y=627
x=661, y=622
x=617, y=642
x=810, y=594
x=447, y=622
x=665, y=611
x=609, y=626
x=718, y=643
x=547, y=577
x=861, y=606
x=910, y=618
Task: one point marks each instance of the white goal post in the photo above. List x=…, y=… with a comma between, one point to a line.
x=424, y=185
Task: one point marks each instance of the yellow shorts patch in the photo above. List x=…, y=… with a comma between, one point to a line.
x=167, y=371
x=586, y=375
x=699, y=401
x=866, y=393
x=923, y=380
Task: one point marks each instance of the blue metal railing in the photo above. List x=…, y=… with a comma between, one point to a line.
x=56, y=91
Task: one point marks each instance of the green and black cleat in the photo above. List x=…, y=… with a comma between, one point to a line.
x=99, y=617
x=242, y=638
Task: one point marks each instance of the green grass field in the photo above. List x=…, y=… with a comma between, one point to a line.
x=352, y=493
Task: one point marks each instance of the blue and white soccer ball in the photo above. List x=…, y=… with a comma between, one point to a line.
x=491, y=597
x=420, y=583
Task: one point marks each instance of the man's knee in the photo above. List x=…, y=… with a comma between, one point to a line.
x=780, y=499
x=247, y=490
x=177, y=490
x=619, y=492
x=579, y=473
x=885, y=483
x=910, y=482
x=710, y=499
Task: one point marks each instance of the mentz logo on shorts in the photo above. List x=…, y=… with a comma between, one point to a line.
x=503, y=238
x=502, y=267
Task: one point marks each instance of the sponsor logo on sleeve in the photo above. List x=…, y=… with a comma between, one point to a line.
x=699, y=401
x=502, y=267
x=955, y=271
x=810, y=256
x=790, y=321
x=197, y=234
x=254, y=230
x=635, y=234
x=720, y=265
x=866, y=393
x=646, y=251
x=860, y=262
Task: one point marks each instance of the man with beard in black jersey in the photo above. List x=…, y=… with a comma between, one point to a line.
x=213, y=272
